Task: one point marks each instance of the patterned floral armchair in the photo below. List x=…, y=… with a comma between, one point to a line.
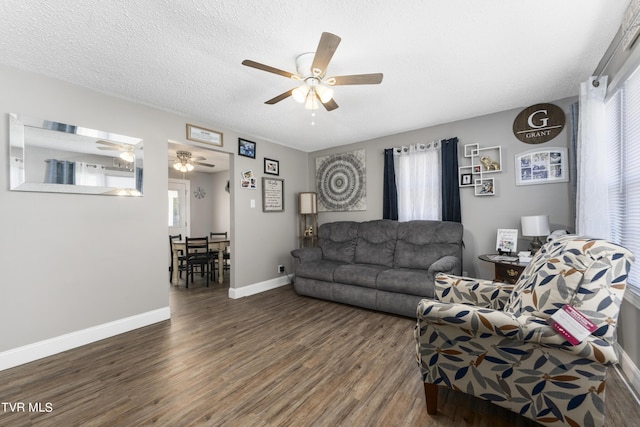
x=492, y=340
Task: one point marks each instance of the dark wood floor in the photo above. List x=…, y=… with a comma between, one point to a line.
x=273, y=359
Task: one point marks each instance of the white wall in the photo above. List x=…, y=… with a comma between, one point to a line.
x=73, y=262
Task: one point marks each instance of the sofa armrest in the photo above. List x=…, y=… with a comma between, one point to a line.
x=307, y=254
x=447, y=264
x=477, y=292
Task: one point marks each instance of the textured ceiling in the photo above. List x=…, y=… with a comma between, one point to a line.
x=442, y=60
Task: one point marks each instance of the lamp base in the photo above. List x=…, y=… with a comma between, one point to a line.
x=535, y=245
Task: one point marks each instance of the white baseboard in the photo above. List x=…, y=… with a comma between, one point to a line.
x=29, y=353
x=630, y=370
x=256, y=288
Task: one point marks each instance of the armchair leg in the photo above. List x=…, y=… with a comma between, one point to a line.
x=431, y=396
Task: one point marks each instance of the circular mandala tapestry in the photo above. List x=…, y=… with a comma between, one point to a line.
x=340, y=182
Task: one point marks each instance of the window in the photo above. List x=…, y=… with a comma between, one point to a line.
x=418, y=181
x=623, y=163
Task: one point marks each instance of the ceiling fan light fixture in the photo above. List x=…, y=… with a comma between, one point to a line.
x=127, y=156
x=325, y=93
x=311, y=102
x=300, y=93
x=184, y=162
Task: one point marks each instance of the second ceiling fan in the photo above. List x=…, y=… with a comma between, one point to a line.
x=311, y=70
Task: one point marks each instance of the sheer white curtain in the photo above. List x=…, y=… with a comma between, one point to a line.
x=418, y=181
x=592, y=208
x=17, y=171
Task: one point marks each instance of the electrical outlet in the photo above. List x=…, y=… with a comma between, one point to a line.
x=280, y=268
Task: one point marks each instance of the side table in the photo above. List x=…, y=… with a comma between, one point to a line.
x=505, y=271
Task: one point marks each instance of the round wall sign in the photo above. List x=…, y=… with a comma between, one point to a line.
x=539, y=123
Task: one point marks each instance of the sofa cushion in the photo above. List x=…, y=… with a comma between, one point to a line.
x=358, y=274
x=406, y=281
x=376, y=242
x=338, y=240
x=318, y=270
x=421, y=243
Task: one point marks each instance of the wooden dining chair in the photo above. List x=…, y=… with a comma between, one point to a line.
x=198, y=254
x=226, y=256
x=181, y=257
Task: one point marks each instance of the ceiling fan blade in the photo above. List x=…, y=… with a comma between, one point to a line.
x=330, y=105
x=112, y=144
x=204, y=164
x=326, y=48
x=198, y=158
x=358, y=79
x=280, y=97
x=267, y=68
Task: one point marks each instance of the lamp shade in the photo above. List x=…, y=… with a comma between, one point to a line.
x=535, y=225
x=308, y=203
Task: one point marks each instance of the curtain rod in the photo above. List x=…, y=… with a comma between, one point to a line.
x=596, y=81
x=435, y=140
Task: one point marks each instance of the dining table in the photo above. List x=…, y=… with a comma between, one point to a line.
x=215, y=244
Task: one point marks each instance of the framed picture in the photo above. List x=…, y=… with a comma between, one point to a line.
x=248, y=181
x=542, y=166
x=465, y=179
x=272, y=194
x=507, y=240
x=271, y=167
x=206, y=136
x=485, y=187
x=246, y=148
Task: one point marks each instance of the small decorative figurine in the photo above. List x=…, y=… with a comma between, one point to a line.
x=308, y=232
x=489, y=164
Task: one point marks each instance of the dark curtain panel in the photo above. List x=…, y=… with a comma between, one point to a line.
x=450, y=189
x=60, y=172
x=139, y=179
x=389, y=192
x=573, y=165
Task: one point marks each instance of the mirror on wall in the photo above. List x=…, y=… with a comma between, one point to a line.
x=48, y=156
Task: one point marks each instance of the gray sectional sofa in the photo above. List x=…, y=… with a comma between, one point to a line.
x=381, y=265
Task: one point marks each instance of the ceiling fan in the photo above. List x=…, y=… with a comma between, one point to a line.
x=126, y=150
x=311, y=71
x=185, y=162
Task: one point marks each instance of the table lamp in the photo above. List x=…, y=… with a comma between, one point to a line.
x=535, y=226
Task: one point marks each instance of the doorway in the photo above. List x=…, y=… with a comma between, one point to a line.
x=199, y=200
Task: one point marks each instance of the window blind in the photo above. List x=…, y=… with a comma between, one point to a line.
x=623, y=163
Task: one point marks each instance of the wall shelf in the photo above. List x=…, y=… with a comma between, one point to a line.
x=483, y=161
